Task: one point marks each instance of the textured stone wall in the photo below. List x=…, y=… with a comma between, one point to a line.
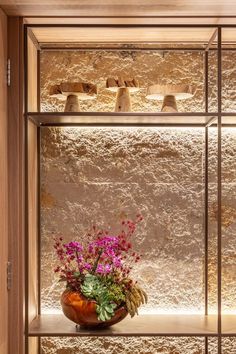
x=229, y=219
x=93, y=175
x=147, y=67
x=141, y=345
x=100, y=176
x=112, y=173
x=149, y=345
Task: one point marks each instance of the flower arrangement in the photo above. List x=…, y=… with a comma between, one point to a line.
x=99, y=266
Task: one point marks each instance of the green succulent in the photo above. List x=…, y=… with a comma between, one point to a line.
x=105, y=311
x=94, y=288
x=91, y=286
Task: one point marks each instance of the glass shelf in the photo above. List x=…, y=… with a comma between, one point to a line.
x=229, y=325
x=110, y=118
x=229, y=119
x=143, y=325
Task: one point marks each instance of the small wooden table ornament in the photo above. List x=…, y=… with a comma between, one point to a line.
x=122, y=88
x=169, y=94
x=72, y=92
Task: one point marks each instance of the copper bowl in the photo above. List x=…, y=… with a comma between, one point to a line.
x=82, y=311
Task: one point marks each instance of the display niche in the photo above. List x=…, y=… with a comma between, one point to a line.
x=133, y=124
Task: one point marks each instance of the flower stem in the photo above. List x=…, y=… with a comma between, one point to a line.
x=96, y=262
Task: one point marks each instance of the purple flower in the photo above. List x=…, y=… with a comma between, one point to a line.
x=104, y=269
x=73, y=247
x=79, y=259
x=87, y=266
x=100, y=269
x=107, y=269
x=117, y=262
x=107, y=243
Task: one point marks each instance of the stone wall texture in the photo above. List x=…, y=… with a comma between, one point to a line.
x=96, y=67
x=148, y=67
x=102, y=175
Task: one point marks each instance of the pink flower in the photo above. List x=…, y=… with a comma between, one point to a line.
x=73, y=247
x=87, y=266
x=100, y=269
x=104, y=269
x=105, y=255
x=117, y=262
x=104, y=242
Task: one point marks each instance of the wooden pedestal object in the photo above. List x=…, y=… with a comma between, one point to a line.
x=169, y=94
x=122, y=88
x=72, y=92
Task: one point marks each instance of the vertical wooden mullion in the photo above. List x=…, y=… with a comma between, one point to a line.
x=16, y=186
x=4, y=174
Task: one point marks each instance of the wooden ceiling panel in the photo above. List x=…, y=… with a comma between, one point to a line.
x=229, y=35
x=131, y=20
x=119, y=7
x=122, y=35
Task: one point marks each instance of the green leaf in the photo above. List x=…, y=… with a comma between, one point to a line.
x=109, y=309
x=101, y=317
x=107, y=316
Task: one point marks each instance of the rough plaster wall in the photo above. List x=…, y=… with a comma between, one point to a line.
x=172, y=161
x=229, y=219
x=141, y=345
x=147, y=67
x=212, y=218
x=228, y=81
x=68, y=175
x=130, y=345
x=228, y=77
x=94, y=175
x=151, y=345
x=97, y=175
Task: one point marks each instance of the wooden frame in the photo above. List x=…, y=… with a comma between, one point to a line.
x=18, y=133
x=113, y=8
x=4, y=216
x=36, y=327
x=16, y=152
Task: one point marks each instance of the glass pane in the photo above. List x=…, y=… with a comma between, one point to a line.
x=102, y=175
x=228, y=69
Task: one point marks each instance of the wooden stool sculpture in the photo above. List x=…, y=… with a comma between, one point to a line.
x=72, y=92
x=122, y=88
x=169, y=94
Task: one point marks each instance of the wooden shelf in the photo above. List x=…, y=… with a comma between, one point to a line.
x=107, y=118
x=143, y=325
